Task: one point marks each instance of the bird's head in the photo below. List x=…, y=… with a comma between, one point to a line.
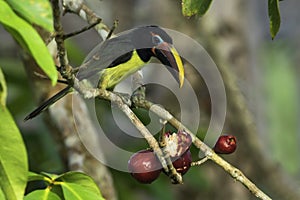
x=152, y=41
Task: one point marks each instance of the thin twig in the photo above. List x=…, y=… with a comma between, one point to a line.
x=59, y=39
x=66, y=36
x=81, y=9
x=48, y=79
x=199, y=162
x=116, y=22
x=162, y=139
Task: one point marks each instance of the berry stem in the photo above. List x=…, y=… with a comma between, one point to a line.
x=200, y=162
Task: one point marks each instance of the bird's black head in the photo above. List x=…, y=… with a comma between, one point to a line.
x=153, y=41
x=144, y=36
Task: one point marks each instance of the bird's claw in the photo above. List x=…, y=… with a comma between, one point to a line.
x=139, y=94
x=126, y=98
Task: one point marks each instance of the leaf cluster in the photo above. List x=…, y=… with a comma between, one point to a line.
x=70, y=185
x=200, y=7
x=19, y=17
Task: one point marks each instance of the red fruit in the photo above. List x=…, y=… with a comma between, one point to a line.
x=183, y=163
x=226, y=144
x=144, y=166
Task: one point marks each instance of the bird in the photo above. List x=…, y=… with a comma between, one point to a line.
x=116, y=58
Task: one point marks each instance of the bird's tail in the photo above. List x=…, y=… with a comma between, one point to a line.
x=48, y=103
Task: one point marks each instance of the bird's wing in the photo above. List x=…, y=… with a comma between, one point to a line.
x=107, y=53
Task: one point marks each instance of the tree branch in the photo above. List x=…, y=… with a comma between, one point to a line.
x=88, y=15
x=59, y=39
x=117, y=100
x=66, y=36
x=78, y=158
x=209, y=153
x=81, y=9
x=165, y=115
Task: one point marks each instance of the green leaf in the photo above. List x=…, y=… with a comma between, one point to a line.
x=70, y=185
x=34, y=11
x=73, y=191
x=195, y=7
x=274, y=16
x=27, y=36
x=42, y=195
x=3, y=89
x=49, y=175
x=2, y=196
x=13, y=158
x=35, y=177
x=80, y=179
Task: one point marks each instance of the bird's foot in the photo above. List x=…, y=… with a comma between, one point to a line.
x=139, y=94
x=126, y=98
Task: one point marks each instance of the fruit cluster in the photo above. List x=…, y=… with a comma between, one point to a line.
x=145, y=167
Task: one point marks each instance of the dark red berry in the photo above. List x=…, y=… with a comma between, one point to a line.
x=144, y=166
x=226, y=144
x=183, y=163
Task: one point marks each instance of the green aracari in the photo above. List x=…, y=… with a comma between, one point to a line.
x=115, y=59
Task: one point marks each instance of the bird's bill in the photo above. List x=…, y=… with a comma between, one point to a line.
x=169, y=56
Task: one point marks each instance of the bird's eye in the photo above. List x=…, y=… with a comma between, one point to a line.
x=156, y=40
